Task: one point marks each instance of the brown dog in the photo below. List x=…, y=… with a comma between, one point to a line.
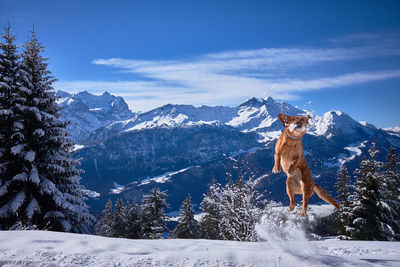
x=289, y=155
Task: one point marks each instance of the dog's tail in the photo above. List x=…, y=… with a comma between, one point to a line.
x=325, y=196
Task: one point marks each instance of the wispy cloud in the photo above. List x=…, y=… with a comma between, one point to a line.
x=232, y=76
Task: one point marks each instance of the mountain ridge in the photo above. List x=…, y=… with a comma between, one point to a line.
x=206, y=142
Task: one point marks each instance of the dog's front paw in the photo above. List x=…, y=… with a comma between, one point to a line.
x=276, y=169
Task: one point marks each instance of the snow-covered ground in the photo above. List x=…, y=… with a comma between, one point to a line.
x=44, y=248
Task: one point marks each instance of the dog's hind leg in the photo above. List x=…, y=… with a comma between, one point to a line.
x=290, y=192
x=307, y=189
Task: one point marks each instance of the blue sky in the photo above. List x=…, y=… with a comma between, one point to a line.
x=317, y=55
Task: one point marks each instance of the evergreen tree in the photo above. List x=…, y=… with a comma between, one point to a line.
x=392, y=161
x=134, y=227
x=187, y=227
x=209, y=224
x=239, y=215
x=342, y=187
x=10, y=123
x=153, y=215
x=120, y=221
x=367, y=205
x=104, y=226
x=390, y=190
x=42, y=187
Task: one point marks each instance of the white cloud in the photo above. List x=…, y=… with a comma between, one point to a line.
x=233, y=76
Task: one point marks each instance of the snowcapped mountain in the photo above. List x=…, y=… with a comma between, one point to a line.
x=254, y=115
x=393, y=131
x=87, y=112
x=180, y=148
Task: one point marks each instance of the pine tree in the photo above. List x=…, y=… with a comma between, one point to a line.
x=187, y=227
x=120, y=222
x=42, y=187
x=366, y=209
x=134, y=227
x=342, y=187
x=390, y=190
x=209, y=224
x=238, y=213
x=9, y=67
x=104, y=226
x=392, y=161
x=153, y=215
x=10, y=123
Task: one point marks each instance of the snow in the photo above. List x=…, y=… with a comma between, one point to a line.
x=244, y=115
x=32, y=208
x=292, y=126
x=76, y=147
x=18, y=125
x=16, y=149
x=269, y=136
x=88, y=112
x=30, y=156
x=117, y=188
x=17, y=202
x=162, y=178
x=45, y=248
x=34, y=175
x=354, y=150
x=38, y=132
x=395, y=131
x=90, y=193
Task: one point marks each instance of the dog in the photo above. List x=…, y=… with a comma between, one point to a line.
x=289, y=155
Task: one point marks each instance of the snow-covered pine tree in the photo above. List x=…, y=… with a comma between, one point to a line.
x=153, y=215
x=238, y=213
x=104, y=226
x=367, y=207
x=44, y=190
x=134, y=226
x=390, y=190
x=188, y=226
x=9, y=67
x=9, y=130
x=392, y=161
x=342, y=187
x=119, y=223
x=209, y=224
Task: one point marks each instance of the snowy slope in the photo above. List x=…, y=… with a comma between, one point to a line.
x=87, y=112
x=41, y=248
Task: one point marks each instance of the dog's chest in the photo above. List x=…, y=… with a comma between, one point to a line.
x=290, y=155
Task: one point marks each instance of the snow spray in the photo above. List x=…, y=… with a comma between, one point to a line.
x=285, y=230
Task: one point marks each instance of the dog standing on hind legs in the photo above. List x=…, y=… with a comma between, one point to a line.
x=289, y=155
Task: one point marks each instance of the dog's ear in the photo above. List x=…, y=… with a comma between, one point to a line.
x=285, y=119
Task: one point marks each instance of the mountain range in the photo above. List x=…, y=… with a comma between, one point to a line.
x=182, y=148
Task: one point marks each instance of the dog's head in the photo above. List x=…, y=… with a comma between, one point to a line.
x=296, y=125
